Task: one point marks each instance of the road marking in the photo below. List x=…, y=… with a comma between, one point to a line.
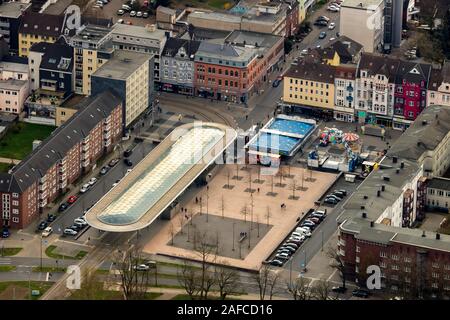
x=47, y=276
x=331, y=276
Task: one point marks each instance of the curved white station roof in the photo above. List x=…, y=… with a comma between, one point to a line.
x=160, y=177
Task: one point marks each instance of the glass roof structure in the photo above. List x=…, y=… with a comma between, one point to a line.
x=156, y=181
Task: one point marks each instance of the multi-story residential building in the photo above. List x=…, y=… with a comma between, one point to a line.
x=362, y=21
x=438, y=194
x=35, y=54
x=410, y=92
x=129, y=75
x=13, y=94
x=375, y=222
x=177, y=65
x=147, y=39
x=10, y=16
x=58, y=161
x=344, y=88
x=439, y=86
x=14, y=70
x=236, y=68
x=92, y=48
x=37, y=27
x=375, y=89
x=309, y=87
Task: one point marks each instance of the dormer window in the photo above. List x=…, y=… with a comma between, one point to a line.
x=35, y=26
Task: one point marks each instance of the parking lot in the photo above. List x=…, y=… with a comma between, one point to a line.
x=110, y=11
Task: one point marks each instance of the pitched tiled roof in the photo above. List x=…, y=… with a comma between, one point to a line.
x=50, y=151
x=58, y=56
x=173, y=45
x=376, y=64
x=312, y=70
x=413, y=72
x=41, y=24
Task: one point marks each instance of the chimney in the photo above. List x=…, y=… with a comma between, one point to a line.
x=402, y=165
x=383, y=187
x=423, y=234
x=364, y=215
x=372, y=224
x=438, y=236
x=394, y=159
x=378, y=193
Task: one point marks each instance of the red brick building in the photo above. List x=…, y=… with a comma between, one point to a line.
x=61, y=159
x=234, y=70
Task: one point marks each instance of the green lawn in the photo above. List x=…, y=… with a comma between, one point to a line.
x=34, y=285
x=49, y=252
x=4, y=167
x=114, y=295
x=18, y=141
x=7, y=268
x=7, y=252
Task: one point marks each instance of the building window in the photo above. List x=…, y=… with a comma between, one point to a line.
x=15, y=195
x=15, y=220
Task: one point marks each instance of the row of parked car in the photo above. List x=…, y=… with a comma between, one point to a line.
x=335, y=197
x=78, y=225
x=100, y=3
x=301, y=233
x=335, y=6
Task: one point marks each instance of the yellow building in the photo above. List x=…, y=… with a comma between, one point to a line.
x=92, y=49
x=301, y=11
x=310, y=84
x=38, y=27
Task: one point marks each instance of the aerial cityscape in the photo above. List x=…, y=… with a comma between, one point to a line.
x=225, y=150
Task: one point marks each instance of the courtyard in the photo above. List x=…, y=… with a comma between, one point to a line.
x=243, y=213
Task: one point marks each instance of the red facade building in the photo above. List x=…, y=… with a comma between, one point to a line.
x=62, y=158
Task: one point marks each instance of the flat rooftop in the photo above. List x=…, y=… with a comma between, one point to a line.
x=142, y=195
x=138, y=31
x=12, y=84
x=92, y=34
x=12, y=9
x=122, y=65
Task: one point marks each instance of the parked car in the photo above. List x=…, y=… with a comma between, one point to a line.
x=322, y=35
x=127, y=153
x=104, y=170
x=70, y=232
x=325, y=18
x=42, y=225
x=75, y=227
x=141, y=267
x=145, y=15
x=51, y=218
x=330, y=201
x=121, y=21
x=128, y=162
x=276, y=263
x=314, y=219
x=97, y=6
x=318, y=216
x=62, y=207
x=339, y=289
x=332, y=26
x=290, y=244
x=113, y=162
x=276, y=83
x=133, y=13
x=339, y=193
x=79, y=225
x=5, y=233
x=80, y=221
x=290, y=249
x=47, y=231
x=126, y=8
x=85, y=188
x=343, y=191
x=283, y=256
x=334, y=196
x=72, y=199
x=120, y=12
x=139, y=14
x=360, y=293
x=321, y=23
x=92, y=181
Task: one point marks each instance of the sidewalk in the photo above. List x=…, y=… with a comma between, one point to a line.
x=9, y=160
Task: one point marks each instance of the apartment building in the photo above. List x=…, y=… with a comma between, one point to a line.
x=37, y=27
x=438, y=194
x=147, y=39
x=13, y=94
x=375, y=223
x=10, y=69
x=439, y=86
x=92, y=49
x=10, y=17
x=363, y=21
x=375, y=89
x=177, y=66
x=58, y=161
x=237, y=68
x=129, y=75
x=309, y=87
x=344, y=88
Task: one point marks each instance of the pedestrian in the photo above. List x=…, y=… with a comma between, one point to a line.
x=246, y=117
x=196, y=200
x=258, y=190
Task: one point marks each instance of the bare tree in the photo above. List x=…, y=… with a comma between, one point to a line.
x=171, y=232
x=321, y=290
x=273, y=281
x=300, y=289
x=293, y=188
x=207, y=254
x=226, y=279
x=180, y=220
x=262, y=280
x=244, y=212
x=337, y=263
x=188, y=278
x=268, y=215
x=134, y=283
